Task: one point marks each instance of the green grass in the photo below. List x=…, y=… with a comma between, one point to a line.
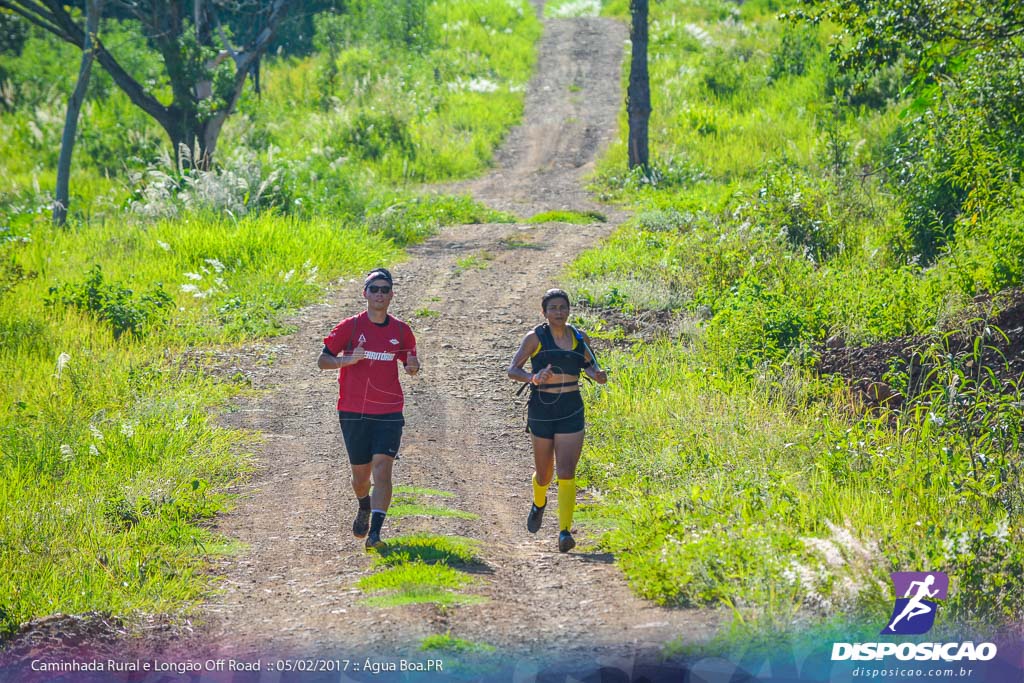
x=424, y=510
x=409, y=502
x=406, y=490
x=445, y=642
x=431, y=549
x=478, y=261
x=573, y=217
x=426, y=313
x=415, y=583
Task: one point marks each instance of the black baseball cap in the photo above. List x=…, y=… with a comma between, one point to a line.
x=378, y=274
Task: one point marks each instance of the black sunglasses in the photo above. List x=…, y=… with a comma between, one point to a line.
x=383, y=289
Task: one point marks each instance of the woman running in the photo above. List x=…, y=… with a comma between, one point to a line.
x=558, y=353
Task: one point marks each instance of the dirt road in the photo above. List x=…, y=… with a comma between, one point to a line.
x=293, y=589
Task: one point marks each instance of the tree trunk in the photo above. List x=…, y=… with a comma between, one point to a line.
x=62, y=195
x=638, y=96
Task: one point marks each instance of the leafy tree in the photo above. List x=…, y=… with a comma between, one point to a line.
x=205, y=63
x=934, y=36
x=956, y=153
x=12, y=33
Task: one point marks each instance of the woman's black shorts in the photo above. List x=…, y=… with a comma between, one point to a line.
x=366, y=435
x=548, y=414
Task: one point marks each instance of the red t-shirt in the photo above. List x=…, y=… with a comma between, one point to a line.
x=371, y=386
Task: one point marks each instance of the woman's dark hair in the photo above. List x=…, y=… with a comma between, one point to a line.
x=553, y=294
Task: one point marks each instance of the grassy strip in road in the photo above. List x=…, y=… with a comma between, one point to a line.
x=423, y=568
x=448, y=550
x=445, y=642
x=572, y=217
x=412, y=583
x=408, y=502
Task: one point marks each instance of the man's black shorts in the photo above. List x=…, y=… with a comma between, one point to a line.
x=548, y=414
x=367, y=435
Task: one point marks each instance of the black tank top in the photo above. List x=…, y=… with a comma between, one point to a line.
x=561, y=361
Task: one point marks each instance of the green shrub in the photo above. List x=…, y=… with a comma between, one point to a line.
x=724, y=73
x=114, y=304
x=798, y=206
x=761, y=322
x=987, y=565
x=401, y=23
x=408, y=220
x=875, y=89
x=794, y=53
x=370, y=134
x=987, y=255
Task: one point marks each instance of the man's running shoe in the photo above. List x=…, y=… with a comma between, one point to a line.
x=535, y=517
x=361, y=524
x=565, y=542
x=373, y=542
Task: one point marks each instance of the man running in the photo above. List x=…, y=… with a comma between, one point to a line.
x=364, y=349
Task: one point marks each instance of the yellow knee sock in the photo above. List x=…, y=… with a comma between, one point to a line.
x=566, y=503
x=540, y=493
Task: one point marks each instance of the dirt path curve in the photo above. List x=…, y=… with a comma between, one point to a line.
x=293, y=588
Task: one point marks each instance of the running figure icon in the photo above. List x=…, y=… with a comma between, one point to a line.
x=916, y=606
x=914, y=612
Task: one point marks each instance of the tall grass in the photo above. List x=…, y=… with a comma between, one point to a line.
x=108, y=452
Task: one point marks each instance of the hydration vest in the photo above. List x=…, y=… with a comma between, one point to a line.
x=561, y=361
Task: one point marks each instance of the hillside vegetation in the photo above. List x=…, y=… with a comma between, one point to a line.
x=109, y=459
x=798, y=203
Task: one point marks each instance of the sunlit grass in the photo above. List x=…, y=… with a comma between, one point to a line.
x=417, y=582
x=425, y=510
x=431, y=549
x=477, y=261
x=573, y=217
x=445, y=642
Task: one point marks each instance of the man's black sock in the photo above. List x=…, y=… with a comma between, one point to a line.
x=376, y=521
x=364, y=503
